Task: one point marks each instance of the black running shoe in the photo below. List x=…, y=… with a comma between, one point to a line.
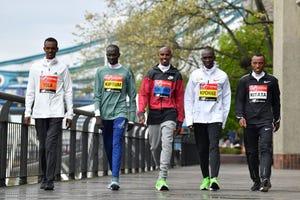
x=49, y=186
x=256, y=186
x=265, y=185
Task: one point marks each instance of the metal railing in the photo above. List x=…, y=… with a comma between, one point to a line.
x=80, y=149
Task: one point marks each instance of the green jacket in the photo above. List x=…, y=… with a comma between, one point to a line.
x=112, y=85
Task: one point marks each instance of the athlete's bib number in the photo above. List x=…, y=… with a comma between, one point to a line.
x=208, y=92
x=162, y=88
x=258, y=93
x=113, y=83
x=48, y=84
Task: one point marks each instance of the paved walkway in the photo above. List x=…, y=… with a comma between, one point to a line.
x=184, y=183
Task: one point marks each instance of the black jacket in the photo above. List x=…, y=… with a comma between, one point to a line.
x=258, y=101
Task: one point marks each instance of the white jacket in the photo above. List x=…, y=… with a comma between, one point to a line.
x=48, y=96
x=212, y=104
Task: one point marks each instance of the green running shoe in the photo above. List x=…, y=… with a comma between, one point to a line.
x=205, y=184
x=161, y=184
x=214, y=184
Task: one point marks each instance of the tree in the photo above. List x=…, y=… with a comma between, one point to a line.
x=248, y=36
x=187, y=26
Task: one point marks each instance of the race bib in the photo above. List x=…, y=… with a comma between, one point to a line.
x=208, y=92
x=48, y=84
x=258, y=93
x=113, y=83
x=162, y=88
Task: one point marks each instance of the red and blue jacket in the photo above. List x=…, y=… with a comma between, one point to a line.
x=163, y=92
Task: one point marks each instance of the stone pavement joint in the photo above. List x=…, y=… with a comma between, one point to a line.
x=184, y=183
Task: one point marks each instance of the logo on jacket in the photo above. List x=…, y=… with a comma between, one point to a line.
x=267, y=81
x=170, y=77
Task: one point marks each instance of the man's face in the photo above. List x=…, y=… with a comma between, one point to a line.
x=50, y=49
x=165, y=56
x=208, y=58
x=112, y=55
x=258, y=64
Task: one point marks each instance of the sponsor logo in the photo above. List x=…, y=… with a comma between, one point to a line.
x=170, y=77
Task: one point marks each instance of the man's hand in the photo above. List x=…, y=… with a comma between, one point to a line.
x=178, y=128
x=191, y=129
x=27, y=121
x=129, y=126
x=99, y=123
x=243, y=122
x=276, y=126
x=68, y=123
x=142, y=118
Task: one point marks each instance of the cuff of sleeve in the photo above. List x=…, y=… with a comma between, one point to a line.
x=277, y=121
x=27, y=114
x=239, y=117
x=97, y=112
x=179, y=124
x=141, y=114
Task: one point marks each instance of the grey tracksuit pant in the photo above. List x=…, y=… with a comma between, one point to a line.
x=161, y=142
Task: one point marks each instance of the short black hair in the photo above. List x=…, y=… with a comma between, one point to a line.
x=209, y=49
x=113, y=46
x=258, y=54
x=51, y=39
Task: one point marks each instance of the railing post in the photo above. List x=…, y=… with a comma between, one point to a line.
x=59, y=157
x=72, y=158
x=127, y=153
x=95, y=150
x=136, y=149
x=84, y=158
x=3, y=141
x=105, y=160
x=142, y=154
x=23, y=153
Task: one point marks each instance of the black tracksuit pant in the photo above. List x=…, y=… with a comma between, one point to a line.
x=258, y=141
x=48, y=131
x=207, y=138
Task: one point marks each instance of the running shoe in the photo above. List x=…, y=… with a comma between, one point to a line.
x=214, y=184
x=205, y=184
x=256, y=186
x=161, y=184
x=113, y=185
x=265, y=185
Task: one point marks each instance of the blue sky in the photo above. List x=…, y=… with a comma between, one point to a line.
x=26, y=23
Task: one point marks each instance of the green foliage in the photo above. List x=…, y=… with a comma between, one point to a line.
x=251, y=37
x=147, y=25
x=230, y=150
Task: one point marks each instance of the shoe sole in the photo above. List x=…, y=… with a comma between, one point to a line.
x=256, y=189
x=163, y=188
x=48, y=188
x=265, y=189
x=114, y=187
x=203, y=188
